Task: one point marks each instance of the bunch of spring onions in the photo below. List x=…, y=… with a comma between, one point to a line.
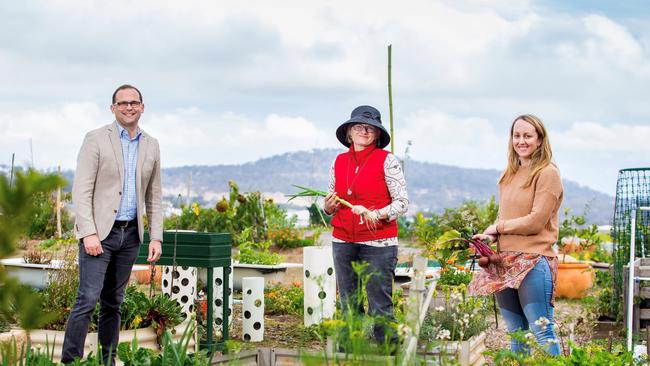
x=370, y=216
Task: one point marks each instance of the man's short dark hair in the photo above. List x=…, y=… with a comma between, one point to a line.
x=126, y=86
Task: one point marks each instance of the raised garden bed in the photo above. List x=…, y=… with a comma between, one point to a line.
x=146, y=337
x=272, y=274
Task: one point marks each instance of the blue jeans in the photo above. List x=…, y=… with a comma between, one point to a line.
x=381, y=266
x=522, y=307
x=102, y=278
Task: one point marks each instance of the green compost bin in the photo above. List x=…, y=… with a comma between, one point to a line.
x=201, y=250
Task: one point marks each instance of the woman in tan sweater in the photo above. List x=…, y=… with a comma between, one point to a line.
x=530, y=194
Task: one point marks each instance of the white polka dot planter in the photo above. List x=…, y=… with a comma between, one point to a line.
x=253, y=309
x=217, y=290
x=181, y=286
x=319, y=283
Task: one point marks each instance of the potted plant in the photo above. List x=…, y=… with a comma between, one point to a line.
x=143, y=318
x=573, y=278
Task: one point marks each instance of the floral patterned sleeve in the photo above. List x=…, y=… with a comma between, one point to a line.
x=396, y=184
x=330, y=187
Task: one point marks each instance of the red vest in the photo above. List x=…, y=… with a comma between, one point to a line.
x=368, y=187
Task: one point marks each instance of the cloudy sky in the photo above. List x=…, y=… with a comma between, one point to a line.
x=231, y=82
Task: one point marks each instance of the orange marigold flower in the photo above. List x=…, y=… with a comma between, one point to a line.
x=443, y=270
x=450, y=261
x=462, y=268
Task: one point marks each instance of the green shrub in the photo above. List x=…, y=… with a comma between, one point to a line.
x=280, y=299
x=251, y=252
x=461, y=318
x=454, y=276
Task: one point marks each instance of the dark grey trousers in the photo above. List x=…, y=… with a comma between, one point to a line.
x=381, y=264
x=102, y=278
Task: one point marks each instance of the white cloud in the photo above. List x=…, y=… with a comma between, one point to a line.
x=447, y=139
x=187, y=136
x=56, y=133
x=229, y=82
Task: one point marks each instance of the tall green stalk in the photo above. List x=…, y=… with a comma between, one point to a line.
x=390, y=99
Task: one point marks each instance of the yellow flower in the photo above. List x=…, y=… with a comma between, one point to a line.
x=135, y=324
x=195, y=208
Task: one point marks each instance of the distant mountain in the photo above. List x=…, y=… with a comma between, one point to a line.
x=431, y=187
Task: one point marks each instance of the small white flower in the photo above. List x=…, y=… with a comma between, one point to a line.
x=440, y=308
x=542, y=322
x=456, y=296
x=552, y=341
x=530, y=336
x=403, y=329
x=443, y=334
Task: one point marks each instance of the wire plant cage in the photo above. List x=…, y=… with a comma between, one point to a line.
x=632, y=192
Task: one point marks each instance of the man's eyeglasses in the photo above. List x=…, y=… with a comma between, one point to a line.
x=367, y=128
x=125, y=104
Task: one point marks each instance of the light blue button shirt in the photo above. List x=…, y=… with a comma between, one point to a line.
x=128, y=204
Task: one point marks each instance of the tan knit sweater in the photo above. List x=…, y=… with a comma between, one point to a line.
x=527, y=218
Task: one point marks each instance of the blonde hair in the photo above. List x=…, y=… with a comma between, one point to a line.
x=539, y=159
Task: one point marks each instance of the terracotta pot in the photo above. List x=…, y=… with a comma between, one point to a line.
x=144, y=276
x=573, y=280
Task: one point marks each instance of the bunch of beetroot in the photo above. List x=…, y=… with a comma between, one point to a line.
x=488, y=256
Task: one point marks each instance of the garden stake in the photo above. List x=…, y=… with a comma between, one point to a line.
x=496, y=314
x=11, y=175
x=390, y=99
x=647, y=340
x=171, y=285
x=610, y=340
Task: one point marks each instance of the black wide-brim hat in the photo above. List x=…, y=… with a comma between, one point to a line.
x=368, y=115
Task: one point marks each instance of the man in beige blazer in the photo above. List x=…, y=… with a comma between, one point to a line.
x=117, y=180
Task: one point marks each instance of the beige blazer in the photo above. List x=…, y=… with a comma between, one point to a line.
x=99, y=178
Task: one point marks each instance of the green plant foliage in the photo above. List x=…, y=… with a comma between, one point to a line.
x=231, y=215
x=454, y=276
x=317, y=216
x=239, y=212
x=56, y=244
x=281, y=299
x=173, y=354
x=405, y=227
x=469, y=218
x=251, y=252
x=581, y=240
x=591, y=354
x=43, y=222
x=59, y=295
x=134, y=309
x=163, y=313
x=4, y=326
x=18, y=205
x=599, y=302
x=447, y=250
x=283, y=233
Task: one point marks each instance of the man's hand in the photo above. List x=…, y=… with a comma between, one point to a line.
x=155, y=251
x=92, y=245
